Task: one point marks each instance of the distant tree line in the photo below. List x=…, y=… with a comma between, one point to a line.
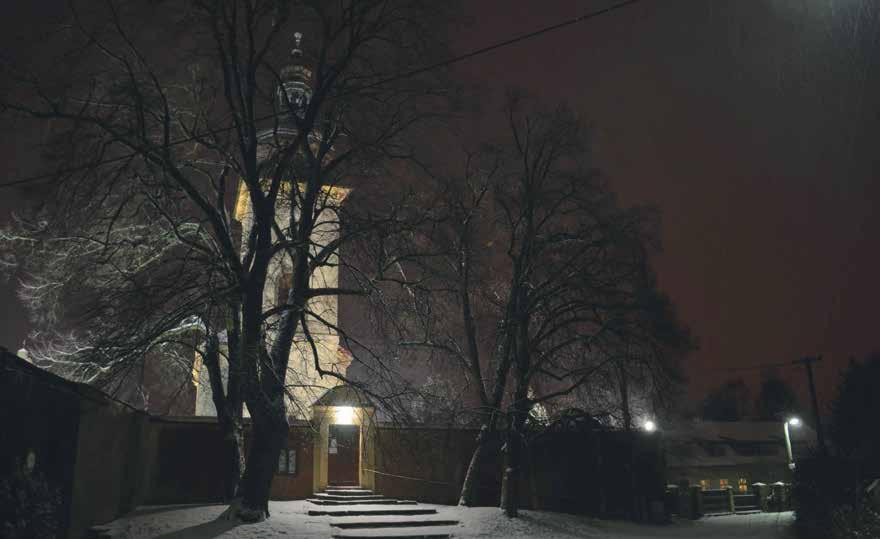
x=732, y=401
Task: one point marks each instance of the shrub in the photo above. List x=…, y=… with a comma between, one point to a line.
x=829, y=500
x=29, y=506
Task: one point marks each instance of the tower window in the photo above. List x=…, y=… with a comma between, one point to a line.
x=282, y=288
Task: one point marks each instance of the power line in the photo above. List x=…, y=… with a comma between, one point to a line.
x=407, y=74
x=757, y=367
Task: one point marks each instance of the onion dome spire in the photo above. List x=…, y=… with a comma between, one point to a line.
x=295, y=90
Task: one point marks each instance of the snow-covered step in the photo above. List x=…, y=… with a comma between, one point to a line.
x=348, y=499
x=348, y=492
x=367, y=510
x=378, y=501
x=325, y=496
x=439, y=532
x=99, y=532
x=350, y=523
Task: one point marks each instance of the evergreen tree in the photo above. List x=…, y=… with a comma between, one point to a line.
x=730, y=402
x=775, y=399
x=854, y=410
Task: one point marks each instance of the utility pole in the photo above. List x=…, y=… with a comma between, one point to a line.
x=808, y=364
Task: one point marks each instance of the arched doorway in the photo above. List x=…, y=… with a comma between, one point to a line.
x=345, y=444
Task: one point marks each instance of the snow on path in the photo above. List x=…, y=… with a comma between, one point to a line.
x=291, y=520
x=489, y=522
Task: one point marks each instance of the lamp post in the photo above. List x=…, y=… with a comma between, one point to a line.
x=794, y=422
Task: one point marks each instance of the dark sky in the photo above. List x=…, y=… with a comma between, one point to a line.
x=753, y=126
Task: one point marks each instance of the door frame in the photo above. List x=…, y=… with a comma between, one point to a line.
x=323, y=417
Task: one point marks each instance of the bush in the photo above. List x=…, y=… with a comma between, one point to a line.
x=829, y=500
x=29, y=506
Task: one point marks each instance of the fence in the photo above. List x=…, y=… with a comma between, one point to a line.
x=602, y=473
x=105, y=458
x=690, y=501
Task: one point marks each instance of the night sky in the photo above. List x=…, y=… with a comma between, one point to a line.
x=753, y=125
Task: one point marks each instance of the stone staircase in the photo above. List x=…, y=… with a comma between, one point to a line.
x=359, y=513
x=746, y=503
x=715, y=502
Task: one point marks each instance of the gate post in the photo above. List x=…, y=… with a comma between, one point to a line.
x=731, y=504
x=761, y=490
x=696, y=499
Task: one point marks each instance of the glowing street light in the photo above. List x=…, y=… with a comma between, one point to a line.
x=649, y=426
x=793, y=422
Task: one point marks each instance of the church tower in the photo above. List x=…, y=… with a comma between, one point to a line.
x=305, y=386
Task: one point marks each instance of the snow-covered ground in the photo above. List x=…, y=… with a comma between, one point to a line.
x=291, y=519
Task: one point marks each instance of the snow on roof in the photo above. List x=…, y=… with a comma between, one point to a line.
x=739, y=431
x=688, y=444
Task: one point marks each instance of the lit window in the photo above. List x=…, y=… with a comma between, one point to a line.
x=743, y=484
x=704, y=484
x=722, y=483
x=287, y=462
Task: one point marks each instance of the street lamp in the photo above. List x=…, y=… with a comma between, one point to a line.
x=649, y=426
x=793, y=422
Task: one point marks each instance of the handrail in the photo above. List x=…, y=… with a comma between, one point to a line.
x=407, y=477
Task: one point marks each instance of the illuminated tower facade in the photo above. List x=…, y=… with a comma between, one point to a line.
x=304, y=384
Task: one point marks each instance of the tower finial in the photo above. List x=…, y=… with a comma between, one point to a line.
x=297, y=36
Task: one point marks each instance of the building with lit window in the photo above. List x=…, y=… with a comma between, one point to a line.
x=737, y=454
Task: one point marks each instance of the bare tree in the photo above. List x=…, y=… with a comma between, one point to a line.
x=538, y=285
x=164, y=116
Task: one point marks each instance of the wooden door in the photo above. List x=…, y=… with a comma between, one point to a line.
x=343, y=455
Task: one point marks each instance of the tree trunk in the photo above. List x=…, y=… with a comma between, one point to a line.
x=234, y=405
x=227, y=403
x=485, y=437
x=467, y=496
x=627, y=426
x=510, y=483
x=510, y=479
x=264, y=395
x=624, y=397
x=518, y=411
x=267, y=439
x=234, y=439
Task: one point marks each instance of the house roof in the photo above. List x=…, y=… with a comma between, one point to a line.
x=739, y=431
x=688, y=444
